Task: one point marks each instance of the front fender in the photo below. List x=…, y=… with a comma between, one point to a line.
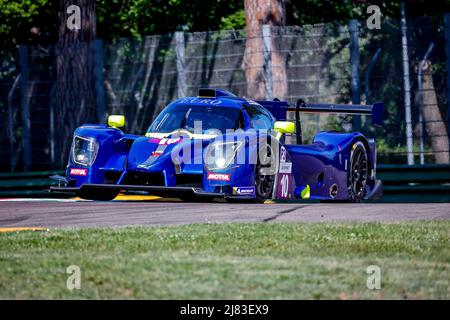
x=113, y=148
x=241, y=173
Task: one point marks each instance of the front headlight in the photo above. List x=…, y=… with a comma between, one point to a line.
x=84, y=150
x=219, y=155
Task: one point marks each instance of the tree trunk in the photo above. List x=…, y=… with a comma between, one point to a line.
x=257, y=13
x=75, y=80
x=434, y=123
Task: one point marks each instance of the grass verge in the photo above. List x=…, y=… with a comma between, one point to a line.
x=230, y=261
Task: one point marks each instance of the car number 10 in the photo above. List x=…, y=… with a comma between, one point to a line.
x=284, y=185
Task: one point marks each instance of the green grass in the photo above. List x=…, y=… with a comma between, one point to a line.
x=230, y=261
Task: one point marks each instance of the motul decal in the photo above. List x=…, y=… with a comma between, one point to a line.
x=218, y=176
x=78, y=172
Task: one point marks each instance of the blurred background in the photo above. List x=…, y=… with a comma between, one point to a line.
x=133, y=57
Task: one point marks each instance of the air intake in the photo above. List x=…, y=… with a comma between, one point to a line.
x=213, y=93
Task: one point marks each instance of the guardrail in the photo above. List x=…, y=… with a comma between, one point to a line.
x=416, y=183
x=402, y=183
x=26, y=184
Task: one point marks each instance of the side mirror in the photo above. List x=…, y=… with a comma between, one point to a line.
x=116, y=121
x=283, y=127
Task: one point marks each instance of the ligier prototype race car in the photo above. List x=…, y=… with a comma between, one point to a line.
x=217, y=145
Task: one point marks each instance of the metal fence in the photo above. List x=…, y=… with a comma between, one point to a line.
x=329, y=63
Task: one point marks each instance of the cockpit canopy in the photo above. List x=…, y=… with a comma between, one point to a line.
x=198, y=119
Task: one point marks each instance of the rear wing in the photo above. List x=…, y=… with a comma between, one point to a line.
x=279, y=109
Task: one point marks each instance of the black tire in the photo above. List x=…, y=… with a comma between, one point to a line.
x=264, y=175
x=99, y=195
x=357, y=172
x=264, y=183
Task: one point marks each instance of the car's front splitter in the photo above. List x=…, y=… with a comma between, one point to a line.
x=154, y=190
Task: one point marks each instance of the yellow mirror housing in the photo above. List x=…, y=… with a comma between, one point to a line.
x=283, y=127
x=116, y=121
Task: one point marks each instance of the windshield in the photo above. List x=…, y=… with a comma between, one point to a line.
x=199, y=117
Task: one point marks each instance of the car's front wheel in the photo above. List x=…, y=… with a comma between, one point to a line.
x=264, y=176
x=265, y=173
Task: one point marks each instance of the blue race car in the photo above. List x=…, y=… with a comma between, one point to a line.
x=217, y=145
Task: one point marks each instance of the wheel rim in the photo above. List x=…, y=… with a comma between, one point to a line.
x=358, y=172
x=264, y=182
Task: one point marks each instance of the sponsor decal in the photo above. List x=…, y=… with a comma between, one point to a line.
x=157, y=153
x=166, y=141
x=78, y=172
x=205, y=101
x=285, y=167
x=218, y=176
x=285, y=186
x=283, y=154
x=245, y=191
x=154, y=140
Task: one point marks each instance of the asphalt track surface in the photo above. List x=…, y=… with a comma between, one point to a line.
x=73, y=213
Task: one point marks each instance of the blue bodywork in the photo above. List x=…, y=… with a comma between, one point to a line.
x=145, y=163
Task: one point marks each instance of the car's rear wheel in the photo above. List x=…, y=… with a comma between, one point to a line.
x=98, y=195
x=357, y=173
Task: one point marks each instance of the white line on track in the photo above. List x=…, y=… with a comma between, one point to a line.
x=38, y=200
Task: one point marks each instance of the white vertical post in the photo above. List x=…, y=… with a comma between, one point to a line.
x=267, y=39
x=407, y=85
x=181, y=78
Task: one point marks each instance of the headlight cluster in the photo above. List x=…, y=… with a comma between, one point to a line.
x=84, y=150
x=219, y=155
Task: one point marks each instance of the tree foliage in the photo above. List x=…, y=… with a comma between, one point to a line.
x=122, y=18
x=36, y=21
x=22, y=21
x=25, y=21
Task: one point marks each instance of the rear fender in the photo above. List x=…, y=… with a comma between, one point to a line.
x=323, y=164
